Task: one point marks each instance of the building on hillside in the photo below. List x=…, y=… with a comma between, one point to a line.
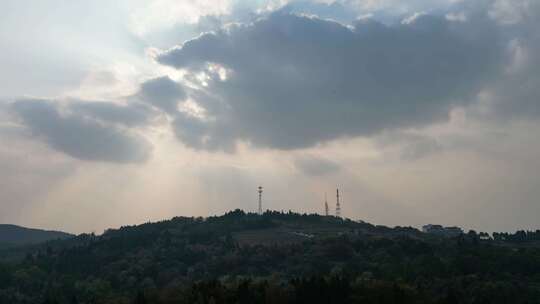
x=442, y=231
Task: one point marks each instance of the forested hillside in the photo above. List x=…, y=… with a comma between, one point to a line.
x=12, y=235
x=273, y=258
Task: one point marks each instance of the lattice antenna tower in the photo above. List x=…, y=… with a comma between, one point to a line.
x=260, y=191
x=338, y=206
x=326, y=211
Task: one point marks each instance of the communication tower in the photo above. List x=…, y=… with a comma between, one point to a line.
x=338, y=206
x=326, y=211
x=260, y=190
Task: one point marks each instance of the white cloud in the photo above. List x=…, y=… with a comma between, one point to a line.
x=157, y=15
x=411, y=19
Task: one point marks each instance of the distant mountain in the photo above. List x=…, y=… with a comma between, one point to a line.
x=12, y=235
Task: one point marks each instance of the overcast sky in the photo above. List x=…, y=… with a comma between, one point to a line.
x=121, y=112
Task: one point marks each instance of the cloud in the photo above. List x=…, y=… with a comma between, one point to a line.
x=335, y=10
x=516, y=92
x=80, y=136
x=316, y=166
x=408, y=146
x=163, y=93
x=158, y=14
x=289, y=81
x=130, y=115
x=512, y=11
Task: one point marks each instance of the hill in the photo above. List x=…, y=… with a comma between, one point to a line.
x=12, y=235
x=272, y=258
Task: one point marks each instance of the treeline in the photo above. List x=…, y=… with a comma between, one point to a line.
x=518, y=237
x=333, y=289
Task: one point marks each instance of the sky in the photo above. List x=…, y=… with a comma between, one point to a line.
x=122, y=112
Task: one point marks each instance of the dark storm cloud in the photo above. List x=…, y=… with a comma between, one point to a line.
x=296, y=81
x=79, y=136
x=163, y=93
x=316, y=166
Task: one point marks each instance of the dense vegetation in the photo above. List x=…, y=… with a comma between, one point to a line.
x=273, y=258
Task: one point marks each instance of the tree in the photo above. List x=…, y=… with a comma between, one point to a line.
x=140, y=298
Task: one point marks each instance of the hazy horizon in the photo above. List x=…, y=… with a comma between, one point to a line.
x=118, y=113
